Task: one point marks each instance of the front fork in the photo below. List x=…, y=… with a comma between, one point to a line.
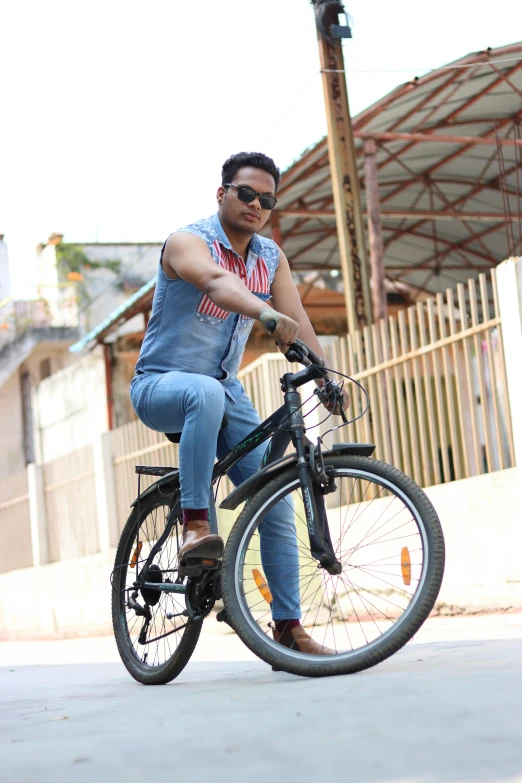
x=321, y=547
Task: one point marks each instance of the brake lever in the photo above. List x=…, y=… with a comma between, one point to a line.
x=294, y=354
x=310, y=355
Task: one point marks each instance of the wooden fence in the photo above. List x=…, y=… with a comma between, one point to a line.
x=436, y=381
x=437, y=384
x=134, y=444
x=15, y=524
x=70, y=499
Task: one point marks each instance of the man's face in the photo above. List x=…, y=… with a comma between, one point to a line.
x=246, y=218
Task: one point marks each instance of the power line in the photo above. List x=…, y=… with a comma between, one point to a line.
x=428, y=70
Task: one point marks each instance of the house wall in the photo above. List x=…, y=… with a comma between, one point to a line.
x=123, y=365
x=12, y=459
x=107, y=291
x=12, y=452
x=71, y=406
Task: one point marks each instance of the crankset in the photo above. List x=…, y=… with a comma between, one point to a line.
x=154, y=576
x=202, y=593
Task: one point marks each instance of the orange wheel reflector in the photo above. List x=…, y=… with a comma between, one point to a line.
x=262, y=585
x=406, y=565
x=136, y=554
x=208, y=562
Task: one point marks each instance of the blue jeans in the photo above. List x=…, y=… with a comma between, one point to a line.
x=194, y=405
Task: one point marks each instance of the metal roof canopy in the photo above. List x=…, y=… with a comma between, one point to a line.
x=441, y=190
x=444, y=204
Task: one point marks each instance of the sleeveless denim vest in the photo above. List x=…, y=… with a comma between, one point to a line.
x=187, y=331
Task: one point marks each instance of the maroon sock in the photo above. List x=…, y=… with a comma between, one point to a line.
x=190, y=514
x=286, y=625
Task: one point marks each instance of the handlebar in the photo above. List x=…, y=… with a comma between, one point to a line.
x=298, y=351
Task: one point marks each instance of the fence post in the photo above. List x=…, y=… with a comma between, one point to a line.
x=105, y=492
x=37, y=514
x=509, y=286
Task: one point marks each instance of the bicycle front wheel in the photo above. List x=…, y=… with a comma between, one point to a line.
x=388, y=538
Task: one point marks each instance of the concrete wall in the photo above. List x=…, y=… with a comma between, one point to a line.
x=481, y=521
x=70, y=598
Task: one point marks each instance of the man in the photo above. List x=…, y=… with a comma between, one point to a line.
x=215, y=278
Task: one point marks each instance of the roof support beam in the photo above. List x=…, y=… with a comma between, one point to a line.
x=438, y=137
x=501, y=124
x=442, y=269
x=400, y=214
x=308, y=247
x=459, y=202
x=435, y=190
x=455, y=246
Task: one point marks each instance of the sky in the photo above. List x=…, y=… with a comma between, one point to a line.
x=115, y=117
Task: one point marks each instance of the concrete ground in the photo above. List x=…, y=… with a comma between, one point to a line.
x=448, y=707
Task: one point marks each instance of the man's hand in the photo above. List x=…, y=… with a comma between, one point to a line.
x=286, y=329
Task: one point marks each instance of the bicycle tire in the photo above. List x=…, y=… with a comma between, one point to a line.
x=316, y=666
x=140, y=671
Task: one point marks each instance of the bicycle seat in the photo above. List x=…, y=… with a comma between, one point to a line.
x=175, y=437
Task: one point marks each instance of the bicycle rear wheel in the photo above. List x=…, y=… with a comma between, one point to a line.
x=387, y=536
x=156, y=652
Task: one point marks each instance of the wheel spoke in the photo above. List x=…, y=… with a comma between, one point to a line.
x=163, y=636
x=350, y=611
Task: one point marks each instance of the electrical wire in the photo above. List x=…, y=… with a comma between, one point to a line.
x=428, y=70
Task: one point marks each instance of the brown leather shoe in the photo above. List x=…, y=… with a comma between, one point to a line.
x=198, y=541
x=297, y=639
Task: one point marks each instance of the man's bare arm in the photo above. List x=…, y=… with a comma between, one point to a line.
x=286, y=299
x=187, y=257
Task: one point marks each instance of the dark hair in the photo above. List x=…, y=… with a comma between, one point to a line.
x=254, y=159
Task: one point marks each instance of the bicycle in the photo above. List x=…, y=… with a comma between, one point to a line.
x=364, y=586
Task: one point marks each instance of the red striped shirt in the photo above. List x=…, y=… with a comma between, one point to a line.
x=258, y=281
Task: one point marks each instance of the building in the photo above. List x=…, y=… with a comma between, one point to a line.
x=43, y=410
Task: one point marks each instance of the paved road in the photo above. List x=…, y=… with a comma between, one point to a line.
x=446, y=710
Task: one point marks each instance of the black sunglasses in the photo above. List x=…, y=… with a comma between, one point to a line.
x=247, y=194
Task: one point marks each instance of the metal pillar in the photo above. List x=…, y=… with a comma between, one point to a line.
x=107, y=353
x=345, y=184
x=374, y=230
x=276, y=229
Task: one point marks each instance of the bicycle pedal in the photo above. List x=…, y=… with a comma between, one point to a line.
x=195, y=566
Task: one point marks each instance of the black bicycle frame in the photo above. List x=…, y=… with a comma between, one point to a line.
x=290, y=413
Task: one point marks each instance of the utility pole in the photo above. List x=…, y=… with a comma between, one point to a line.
x=341, y=151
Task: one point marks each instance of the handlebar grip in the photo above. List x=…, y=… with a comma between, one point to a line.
x=270, y=325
